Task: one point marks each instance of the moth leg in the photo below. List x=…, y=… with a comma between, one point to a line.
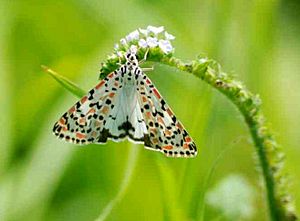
x=119, y=62
x=145, y=57
x=148, y=69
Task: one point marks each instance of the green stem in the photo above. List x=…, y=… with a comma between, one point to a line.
x=267, y=149
x=208, y=179
x=128, y=174
x=269, y=154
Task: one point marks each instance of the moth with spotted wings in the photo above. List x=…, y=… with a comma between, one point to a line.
x=123, y=105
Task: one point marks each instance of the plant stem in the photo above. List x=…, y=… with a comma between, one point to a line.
x=128, y=174
x=269, y=154
x=208, y=179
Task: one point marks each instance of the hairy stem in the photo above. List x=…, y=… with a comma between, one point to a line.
x=270, y=157
x=269, y=154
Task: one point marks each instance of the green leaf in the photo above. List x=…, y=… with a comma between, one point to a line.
x=66, y=83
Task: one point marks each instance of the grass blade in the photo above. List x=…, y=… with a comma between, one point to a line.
x=66, y=83
x=201, y=210
x=132, y=160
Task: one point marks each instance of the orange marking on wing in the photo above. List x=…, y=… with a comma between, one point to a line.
x=91, y=111
x=82, y=120
x=156, y=93
x=94, y=134
x=97, y=123
x=72, y=109
x=154, y=140
x=188, y=139
x=110, y=75
x=144, y=99
x=153, y=130
x=62, y=121
x=148, y=81
x=168, y=133
x=99, y=85
x=185, y=146
x=105, y=110
x=168, y=147
x=64, y=129
x=80, y=135
x=179, y=125
x=116, y=84
x=160, y=120
x=148, y=115
x=83, y=100
x=112, y=94
x=169, y=112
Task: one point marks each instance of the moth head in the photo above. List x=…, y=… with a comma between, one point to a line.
x=131, y=58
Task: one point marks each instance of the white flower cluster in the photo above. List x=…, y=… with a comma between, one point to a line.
x=150, y=37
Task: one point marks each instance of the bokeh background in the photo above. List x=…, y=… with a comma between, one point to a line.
x=43, y=178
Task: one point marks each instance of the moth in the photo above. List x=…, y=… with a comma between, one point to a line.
x=126, y=104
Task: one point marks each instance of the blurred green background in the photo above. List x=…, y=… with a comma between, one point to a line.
x=43, y=178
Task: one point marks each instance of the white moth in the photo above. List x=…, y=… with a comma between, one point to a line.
x=126, y=105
